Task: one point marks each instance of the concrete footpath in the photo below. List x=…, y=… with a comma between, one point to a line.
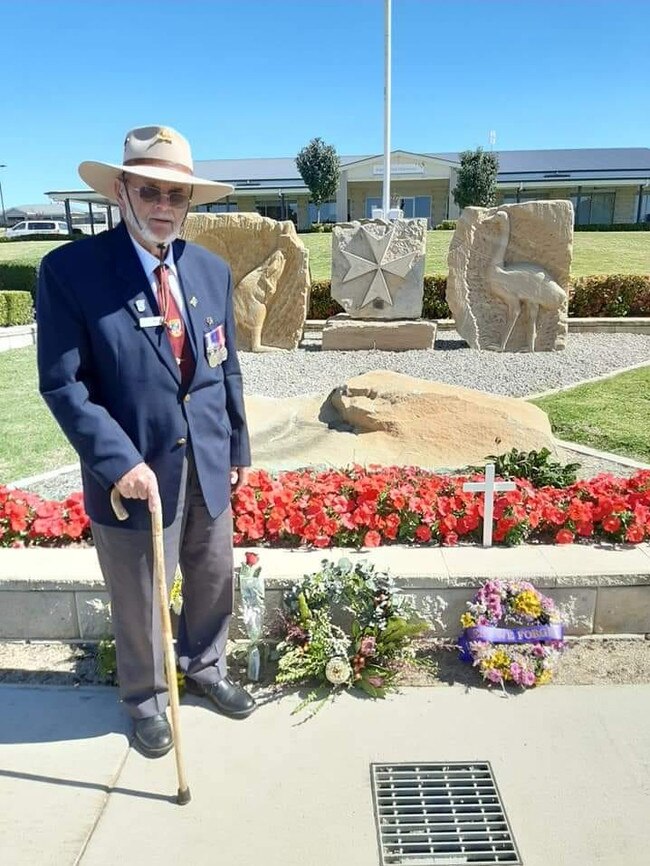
x=572, y=765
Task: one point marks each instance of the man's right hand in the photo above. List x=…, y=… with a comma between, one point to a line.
x=139, y=483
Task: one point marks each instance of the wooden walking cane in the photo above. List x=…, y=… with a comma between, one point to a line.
x=183, y=796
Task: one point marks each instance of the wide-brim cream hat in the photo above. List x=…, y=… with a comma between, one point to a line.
x=158, y=153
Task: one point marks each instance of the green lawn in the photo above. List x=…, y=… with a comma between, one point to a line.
x=30, y=440
x=27, y=251
x=611, y=415
x=593, y=253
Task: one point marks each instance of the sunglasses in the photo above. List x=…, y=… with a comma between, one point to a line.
x=153, y=195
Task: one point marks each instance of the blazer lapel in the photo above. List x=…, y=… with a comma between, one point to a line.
x=139, y=299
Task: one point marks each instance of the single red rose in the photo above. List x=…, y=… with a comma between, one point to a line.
x=612, y=523
x=634, y=534
x=565, y=536
x=423, y=533
x=251, y=558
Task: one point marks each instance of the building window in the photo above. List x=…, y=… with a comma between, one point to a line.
x=327, y=212
x=594, y=208
x=218, y=207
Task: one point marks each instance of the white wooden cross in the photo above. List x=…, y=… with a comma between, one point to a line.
x=489, y=487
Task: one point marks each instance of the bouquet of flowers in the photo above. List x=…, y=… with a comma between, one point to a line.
x=346, y=626
x=512, y=633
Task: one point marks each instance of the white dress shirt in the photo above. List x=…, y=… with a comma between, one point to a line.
x=150, y=263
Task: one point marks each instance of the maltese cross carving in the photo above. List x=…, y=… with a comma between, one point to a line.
x=380, y=264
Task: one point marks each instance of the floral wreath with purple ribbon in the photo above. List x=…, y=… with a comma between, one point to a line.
x=512, y=633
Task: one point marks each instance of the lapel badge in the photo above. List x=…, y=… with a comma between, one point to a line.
x=193, y=301
x=209, y=321
x=140, y=305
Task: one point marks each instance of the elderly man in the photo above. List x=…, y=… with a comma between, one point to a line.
x=137, y=362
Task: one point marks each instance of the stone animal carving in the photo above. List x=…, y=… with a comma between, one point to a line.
x=250, y=298
x=520, y=286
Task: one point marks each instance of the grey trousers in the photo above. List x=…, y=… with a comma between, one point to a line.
x=203, y=547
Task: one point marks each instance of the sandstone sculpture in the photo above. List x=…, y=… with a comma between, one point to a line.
x=270, y=268
x=389, y=418
x=378, y=268
x=509, y=273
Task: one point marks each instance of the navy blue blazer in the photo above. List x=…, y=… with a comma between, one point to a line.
x=115, y=388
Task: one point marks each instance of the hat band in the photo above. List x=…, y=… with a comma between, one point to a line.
x=161, y=163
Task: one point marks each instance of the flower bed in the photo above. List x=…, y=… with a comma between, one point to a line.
x=357, y=507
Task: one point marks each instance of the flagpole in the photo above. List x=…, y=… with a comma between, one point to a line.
x=387, y=36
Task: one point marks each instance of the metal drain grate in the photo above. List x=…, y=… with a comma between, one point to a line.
x=441, y=815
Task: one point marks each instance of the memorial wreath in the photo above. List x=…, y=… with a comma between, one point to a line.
x=346, y=626
x=512, y=633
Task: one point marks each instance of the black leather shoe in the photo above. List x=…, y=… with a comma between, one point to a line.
x=230, y=699
x=153, y=736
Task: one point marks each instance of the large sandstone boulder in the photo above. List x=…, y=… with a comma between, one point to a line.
x=378, y=268
x=508, y=280
x=389, y=418
x=270, y=268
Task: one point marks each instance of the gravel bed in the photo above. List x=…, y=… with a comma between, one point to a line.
x=514, y=374
x=309, y=371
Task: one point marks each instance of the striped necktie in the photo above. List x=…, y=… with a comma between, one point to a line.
x=174, y=326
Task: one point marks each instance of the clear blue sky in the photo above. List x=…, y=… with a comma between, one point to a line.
x=247, y=78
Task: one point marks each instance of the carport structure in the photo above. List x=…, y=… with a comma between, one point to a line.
x=84, y=196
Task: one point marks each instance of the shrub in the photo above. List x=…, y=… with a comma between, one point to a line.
x=78, y=233
x=605, y=295
x=321, y=227
x=321, y=303
x=446, y=226
x=19, y=277
x=614, y=227
x=434, y=304
x=16, y=309
x=610, y=295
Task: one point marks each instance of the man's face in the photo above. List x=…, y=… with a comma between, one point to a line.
x=157, y=219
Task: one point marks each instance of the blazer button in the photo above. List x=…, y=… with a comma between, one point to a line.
x=186, y=398
x=181, y=441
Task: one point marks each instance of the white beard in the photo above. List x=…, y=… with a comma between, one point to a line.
x=145, y=232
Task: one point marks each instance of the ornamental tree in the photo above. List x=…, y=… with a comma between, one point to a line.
x=319, y=167
x=477, y=179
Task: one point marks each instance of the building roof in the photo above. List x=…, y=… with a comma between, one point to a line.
x=615, y=163
x=41, y=209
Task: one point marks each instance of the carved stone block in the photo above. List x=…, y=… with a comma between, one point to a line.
x=270, y=269
x=378, y=268
x=509, y=270
x=342, y=332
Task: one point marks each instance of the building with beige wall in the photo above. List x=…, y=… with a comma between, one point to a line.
x=606, y=186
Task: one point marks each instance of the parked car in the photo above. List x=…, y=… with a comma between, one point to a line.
x=37, y=227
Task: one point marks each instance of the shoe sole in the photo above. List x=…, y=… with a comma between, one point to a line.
x=148, y=752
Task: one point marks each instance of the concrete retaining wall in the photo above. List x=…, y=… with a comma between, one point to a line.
x=60, y=594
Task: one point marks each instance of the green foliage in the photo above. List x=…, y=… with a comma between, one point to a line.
x=434, y=303
x=16, y=309
x=106, y=660
x=614, y=227
x=346, y=625
x=319, y=167
x=535, y=466
x=477, y=179
x=610, y=295
x=321, y=303
x=42, y=237
x=446, y=226
x=19, y=277
x=599, y=295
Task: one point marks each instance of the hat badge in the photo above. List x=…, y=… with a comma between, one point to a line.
x=164, y=135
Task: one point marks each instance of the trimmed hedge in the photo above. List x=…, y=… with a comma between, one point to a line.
x=19, y=277
x=614, y=227
x=16, y=308
x=43, y=237
x=610, y=295
x=604, y=295
x=446, y=226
